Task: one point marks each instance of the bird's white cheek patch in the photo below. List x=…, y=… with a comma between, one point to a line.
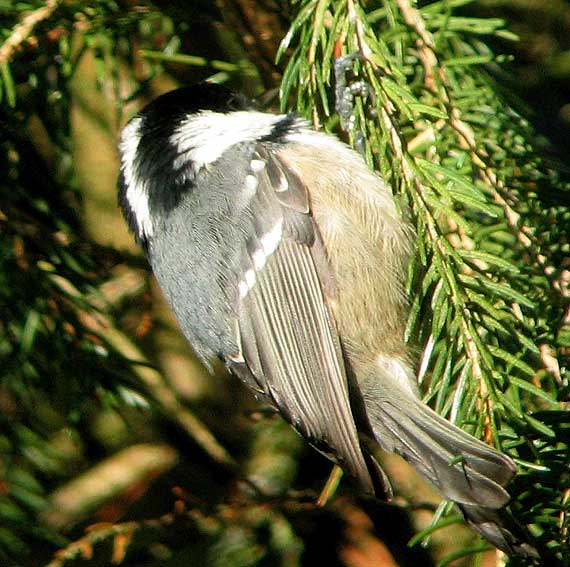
x=136, y=193
x=137, y=197
x=202, y=138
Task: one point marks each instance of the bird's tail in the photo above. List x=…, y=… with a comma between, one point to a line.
x=462, y=468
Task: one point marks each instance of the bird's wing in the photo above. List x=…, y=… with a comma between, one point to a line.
x=287, y=336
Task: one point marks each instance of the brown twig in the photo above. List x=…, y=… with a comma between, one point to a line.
x=77, y=499
x=120, y=537
x=428, y=56
x=363, y=47
x=434, y=69
x=24, y=29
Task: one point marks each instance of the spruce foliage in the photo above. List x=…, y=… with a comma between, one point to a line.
x=99, y=431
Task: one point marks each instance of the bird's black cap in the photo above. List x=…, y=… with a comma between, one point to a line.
x=174, y=105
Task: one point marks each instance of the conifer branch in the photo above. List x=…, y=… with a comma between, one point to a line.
x=24, y=29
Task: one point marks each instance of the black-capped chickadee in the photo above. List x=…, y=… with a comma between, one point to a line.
x=283, y=255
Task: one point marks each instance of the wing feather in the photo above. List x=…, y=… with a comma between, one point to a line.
x=288, y=339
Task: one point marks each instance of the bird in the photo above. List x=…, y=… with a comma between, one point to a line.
x=284, y=256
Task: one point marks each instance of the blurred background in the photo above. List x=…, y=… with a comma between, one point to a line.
x=116, y=447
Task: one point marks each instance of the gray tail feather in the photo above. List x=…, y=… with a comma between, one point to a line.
x=493, y=527
x=463, y=469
